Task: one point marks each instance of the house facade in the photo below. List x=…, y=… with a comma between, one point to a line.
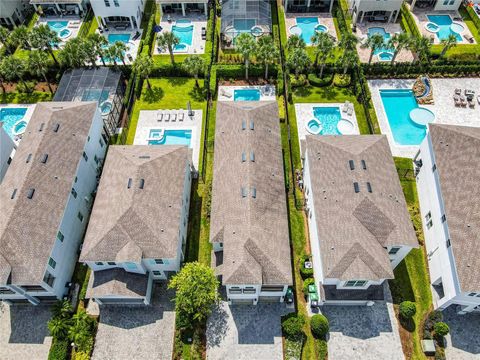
x=447, y=172
x=46, y=198
x=438, y=5
x=138, y=228
x=183, y=7
x=299, y=6
x=119, y=13
x=12, y=12
x=249, y=225
x=381, y=11
x=61, y=7
x=358, y=221
x=6, y=148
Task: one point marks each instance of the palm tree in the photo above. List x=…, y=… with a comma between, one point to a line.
x=348, y=59
x=194, y=65
x=14, y=68
x=62, y=309
x=80, y=331
x=20, y=36
x=100, y=45
x=398, y=42
x=73, y=53
x=143, y=66
x=246, y=45
x=168, y=40
x=88, y=47
x=267, y=52
x=298, y=60
x=58, y=327
x=421, y=46
x=448, y=43
x=2, y=77
x=4, y=37
x=117, y=51
x=324, y=46
x=44, y=38
x=37, y=64
x=295, y=42
x=348, y=41
x=374, y=43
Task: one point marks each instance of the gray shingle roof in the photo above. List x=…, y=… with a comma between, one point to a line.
x=28, y=227
x=116, y=282
x=254, y=231
x=354, y=228
x=128, y=224
x=457, y=156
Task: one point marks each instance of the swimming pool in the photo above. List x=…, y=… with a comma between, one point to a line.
x=185, y=33
x=113, y=38
x=10, y=117
x=444, y=27
x=246, y=95
x=385, y=53
x=329, y=117
x=60, y=27
x=171, y=137
x=398, y=105
x=306, y=27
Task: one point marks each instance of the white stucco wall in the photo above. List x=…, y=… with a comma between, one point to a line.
x=446, y=4
x=127, y=8
x=6, y=147
x=253, y=296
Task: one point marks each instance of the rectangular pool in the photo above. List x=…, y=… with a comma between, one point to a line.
x=398, y=104
x=171, y=137
x=246, y=95
x=11, y=119
x=113, y=38
x=328, y=118
x=184, y=33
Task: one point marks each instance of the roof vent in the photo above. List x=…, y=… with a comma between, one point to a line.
x=129, y=184
x=244, y=192
x=144, y=157
x=244, y=157
x=244, y=124
x=356, y=187
x=30, y=193
x=56, y=127
x=352, y=164
x=252, y=156
x=252, y=125
x=254, y=192
x=369, y=187
x=29, y=157
x=41, y=127
x=364, y=165
x=44, y=158
x=142, y=183
x=13, y=194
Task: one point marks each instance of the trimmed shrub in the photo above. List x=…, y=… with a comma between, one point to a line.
x=301, y=81
x=319, y=325
x=441, y=329
x=326, y=80
x=341, y=80
x=58, y=350
x=306, y=283
x=306, y=273
x=407, y=309
x=281, y=108
x=292, y=325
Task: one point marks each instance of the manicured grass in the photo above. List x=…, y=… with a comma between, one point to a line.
x=167, y=93
x=21, y=98
x=411, y=275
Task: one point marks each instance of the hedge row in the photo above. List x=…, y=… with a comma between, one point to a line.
x=474, y=17
x=413, y=70
x=58, y=350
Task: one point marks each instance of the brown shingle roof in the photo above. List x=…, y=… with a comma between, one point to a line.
x=457, y=156
x=116, y=282
x=353, y=228
x=128, y=224
x=254, y=231
x=28, y=227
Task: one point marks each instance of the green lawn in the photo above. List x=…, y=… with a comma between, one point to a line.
x=21, y=98
x=411, y=275
x=167, y=93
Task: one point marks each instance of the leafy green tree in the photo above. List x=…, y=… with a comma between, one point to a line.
x=62, y=309
x=44, y=38
x=267, y=52
x=73, y=54
x=247, y=46
x=2, y=77
x=398, y=42
x=298, y=60
x=14, y=68
x=196, y=292
x=100, y=45
x=348, y=42
x=421, y=46
x=373, y=42
x=168, y=40
x=324, y=46
x=143, y=66
x=348, y=59
x=448, y=43
x=5, y=37
x=80, y=331
x=20, y=36
x=295, y=42
x=194, y=65
x=58, y=327
x=37, y=64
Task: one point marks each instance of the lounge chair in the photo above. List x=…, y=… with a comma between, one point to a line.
x=159, y=116
x=471, y=103
x=350, y=111
x=166, y=117
x=181, y=116
x=456, y=100
x=174, y=117
x=469, y=38
x=458, y=91
x=224, y=93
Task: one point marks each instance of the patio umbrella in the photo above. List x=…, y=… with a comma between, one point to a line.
x=157, y=28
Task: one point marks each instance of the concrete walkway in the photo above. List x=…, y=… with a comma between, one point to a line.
x=245, y=332
x=137, y=332
x=463, y=342
x=23, y=332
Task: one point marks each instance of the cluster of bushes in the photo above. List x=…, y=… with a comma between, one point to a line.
x=435, y=328
x=306, y=283
x=408, y=20
x=319, y=326
x=306, y=273
x=292, y=325
x=474, y=17
x=326, y=80
x=435, y=69
x=59, y=349
x=149, y=35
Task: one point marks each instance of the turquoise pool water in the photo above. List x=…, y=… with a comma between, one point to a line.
x=246, y=95
x=185, y=34
x=398, y=104
x=9, y=117
x=243, y=25
x=171, y=137
x=57, y=26
x=95, y=95
x=385, y=53
x=307, y=25
x=444, y=22
x=113, y=38
x=328, y=118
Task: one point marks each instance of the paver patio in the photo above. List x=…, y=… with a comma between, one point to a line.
x=245, y=332
x=137, y=332
x=463, y=342
x=23, y=332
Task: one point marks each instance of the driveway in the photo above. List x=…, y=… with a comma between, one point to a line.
x=463, y=342
x=23, y=332
x=245, y=332
x=363, y=332
x=137, y=332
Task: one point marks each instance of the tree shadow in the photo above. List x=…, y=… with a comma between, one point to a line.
x=217, y=326
x=153, y=95
x=407, y=324
x=178, y=81
x=401, y=286
x=194, y=223
x=198, y=93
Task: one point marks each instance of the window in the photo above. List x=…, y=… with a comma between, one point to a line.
x=244, y=124
x=60, y=236
x=101, y=142
x=252, y=156
x=157, y=273
x=85, y=156
x=99, y=263
x=80, y=216
x=142, y=183
x=244, y=192
x=444, y=218
x=44, y=158
x=254, y=192
x=434, y=167
x=271, y=288
x=29, y=157
x=352, y=164
x=76, y=179
x=52, y=263
x=107, y=3
x=30, y=193
x=429, y=224
x=428, y=216
x=394, y=250
x=252, y=125
x=129, y=183
x=95, y=158
x=158, y=261
x=472, y=294
x=111, y=263
x=13, y=194
x=249, y=290
x=445, y=2
x=448, y=243
x=356, y=187
x=131, y=266
x=355, y=283
x=115, y=2
x=235, y=290
x=74, y=193
x=49, y=279
x=41, y=127
x=88, y=138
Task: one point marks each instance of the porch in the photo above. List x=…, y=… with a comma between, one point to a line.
x=184, y=8
x=63, y=8
x=308, y=6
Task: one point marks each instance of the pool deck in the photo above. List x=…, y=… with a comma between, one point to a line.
x=444, y=109
x=132, y=45
x=364, y=53
x=420, y=17
x=304, y=113
x=267, y=92
x=26, y=118
x=148, y=120
x=198, y=21
x=323, y=18
x=74, y=24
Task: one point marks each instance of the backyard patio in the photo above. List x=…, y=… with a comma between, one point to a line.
x=325, y=19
